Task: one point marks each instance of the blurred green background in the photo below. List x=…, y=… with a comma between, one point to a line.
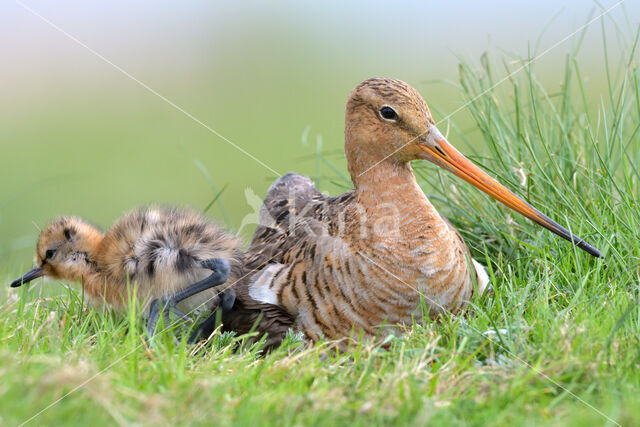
x=77, y=136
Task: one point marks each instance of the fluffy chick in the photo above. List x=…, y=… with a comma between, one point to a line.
x=173, y=256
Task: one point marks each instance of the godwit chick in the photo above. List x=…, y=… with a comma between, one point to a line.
x=173, y=256
x=364, y=258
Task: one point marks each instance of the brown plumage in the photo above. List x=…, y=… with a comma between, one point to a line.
x=348, y=264
x=161, y=250
x=269, y=321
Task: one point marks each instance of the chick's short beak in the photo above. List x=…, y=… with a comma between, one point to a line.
x=438, y=150
x=34, y=273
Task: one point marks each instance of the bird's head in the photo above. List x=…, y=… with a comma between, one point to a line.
x=388, y=123
x=64, y=250
x=386, y=120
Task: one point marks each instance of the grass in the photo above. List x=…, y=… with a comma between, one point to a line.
x=557, y=342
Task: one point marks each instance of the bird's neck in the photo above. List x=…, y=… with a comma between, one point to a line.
x=390, y=189
x=398, y=224
x=87, y=265
x=407, y=240
x=89, y=251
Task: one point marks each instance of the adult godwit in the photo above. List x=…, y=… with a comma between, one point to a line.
x=345, y=264
x=174, y=256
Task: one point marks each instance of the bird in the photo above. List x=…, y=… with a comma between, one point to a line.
x=363, y=262
x=175, y=258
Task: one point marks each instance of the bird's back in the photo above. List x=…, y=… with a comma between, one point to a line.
x=272, y=244
x=292, y=201
x=291, y=253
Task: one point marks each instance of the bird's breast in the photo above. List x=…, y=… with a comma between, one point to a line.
x=435, y=271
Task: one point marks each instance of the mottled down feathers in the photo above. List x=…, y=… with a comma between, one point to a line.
x=157, y=249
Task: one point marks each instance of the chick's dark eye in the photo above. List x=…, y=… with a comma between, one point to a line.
x=388, y=113
x=49, y=254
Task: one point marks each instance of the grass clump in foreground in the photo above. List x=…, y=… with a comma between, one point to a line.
x=557, y=342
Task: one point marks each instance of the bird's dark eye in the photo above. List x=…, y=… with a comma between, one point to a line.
x=49, y=254
x=388, y=113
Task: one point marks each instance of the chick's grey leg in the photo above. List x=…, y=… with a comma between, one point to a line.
x=228, y=298
x=152, y=320
x=162, y=305
x=220, y=268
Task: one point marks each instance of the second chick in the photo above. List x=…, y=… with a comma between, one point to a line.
x=175, y=257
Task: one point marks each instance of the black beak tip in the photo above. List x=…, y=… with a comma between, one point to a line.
x=16, y=283
x=34, y=273
x=590, y=249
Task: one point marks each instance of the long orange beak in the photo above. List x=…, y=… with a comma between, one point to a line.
x=438, y=150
